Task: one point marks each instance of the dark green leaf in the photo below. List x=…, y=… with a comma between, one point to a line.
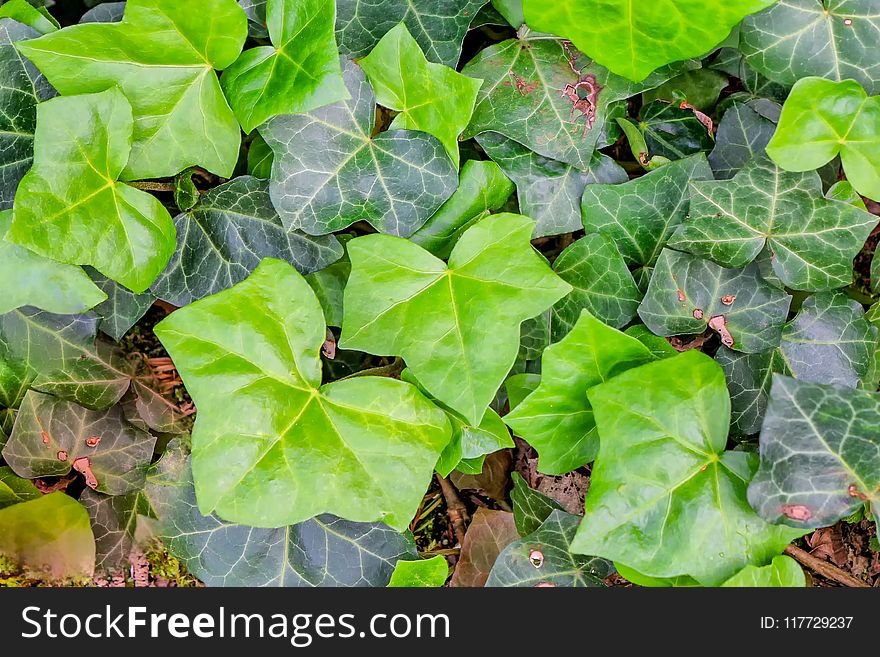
x=673, y=132
x=114, y=521
x=530, y=508
x=742, y=135
x=122, y=309
x=700, y=88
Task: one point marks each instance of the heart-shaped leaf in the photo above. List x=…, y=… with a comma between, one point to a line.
x=687, y=295
x=482, y=188
x=470, y=445
x=122, y=309
x=602, y=285
x=530, y=507
x=32, y=280
x=635, y=37
x=330, y=171
x=51, y=437
x=783, y=571
x=812, y=240
x=364, y=448
x=164, y=61
x=23, y=88
x=822, y=119
x=742, y=135
x=430, y=97
x=556, y=419
x=422, y=573
x=543, y=558
x=446, y=309
x=487, y=535
x=829, y=341
x=665, y=497
x=223, y=239
x=70, y=207
x=48, y=537
x=820, y=454
x=641, y=215
x=114, y=522
x=322, y=551
x=298, y=73
x=547, y=96
x=548, y=191
x=673, y=132
x=14, y=489
x=439, y=26
x=800, y=38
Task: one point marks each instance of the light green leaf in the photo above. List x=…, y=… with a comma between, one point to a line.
x=812, y=241
x=640, y=579
x=530, y=507
x=29, y=15
x=742, y=135
x=665, y=497
x=223, y=239
x=556, y=419
x=658, y=346
x=363, y=448
x=635, y=37
x=833, y=39
x=544, y=558
x=163, y=57
x=49, y=536
x=641, y=215
x=186, y=194
x=511, y=10
x=494, y=278
x=548, y=191
x=14, y=489
x=298, y=73
x=522, y=97
x=687, y=295
x=820, y=454
x=430, y=97
x=260, y=158
x=602, y=285
x=51, y=437
x=322, y=551
x=783, y=571
x=471, y=444
x=519, y=386
x=330, y=171
x=829, y=341
x=423, y=573
x=32, y=280
x=23, y=88
x=70, y=207
x=328, y=285
x=822, y=119
x=439, y=26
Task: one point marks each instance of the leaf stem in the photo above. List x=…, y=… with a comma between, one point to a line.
x=825, y=569
x=455, y=508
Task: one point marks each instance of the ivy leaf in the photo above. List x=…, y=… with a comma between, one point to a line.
x=634, y=38
x=422, y=573
x=328, y=285
x=665, y=497
x=430, y=97
x=122, y=309
x=114, y=521
x=50, y=536
x=812, y=241
x=51, y=437
x=530, y=507
x=322, y=551
x=543, y=558
x=830, y=341
x=494, y=278
x=364, y=448
x=556, y=419
x=699, y=88
x=800, y=38
x=482, y=188
x=106, y=12
x=471, y=444
x=439, y=26
x=70, y=207
x=673, y=132
x=487, y=535
x=822, y=119
x=23, y=88
x=260, y=158
x=641, y=215
x=687, y=295
x=14, y=489
x=522, y=96
x=32, y=280
x=548, y=191
x=223, y=239
x=26, y=14
x=820, y=454
x=255, y=10
x=742, y=135
x=298, y=73
x=164, y=62
x=783, y=571
x=640, y=579
x=658, y=346
x=329, y=171
x=602, y=285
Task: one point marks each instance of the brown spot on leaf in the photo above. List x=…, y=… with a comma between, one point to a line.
x=797, y=512
x=681, y=296
x=703, y=118
x=545, y=585
x=44, y=437
x=328, y=349
x=698, y=313
x=644, y=159
x=855, y=492
x=62, y=455
x=523, y=86
x=718, y=323
x=83, y=465
x=93, y=441
x=536, y=558
x=728, y=299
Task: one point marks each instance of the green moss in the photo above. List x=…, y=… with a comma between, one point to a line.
x=164, y=565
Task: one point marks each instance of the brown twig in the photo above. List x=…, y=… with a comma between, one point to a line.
x=455, y=508
x=825, y=569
